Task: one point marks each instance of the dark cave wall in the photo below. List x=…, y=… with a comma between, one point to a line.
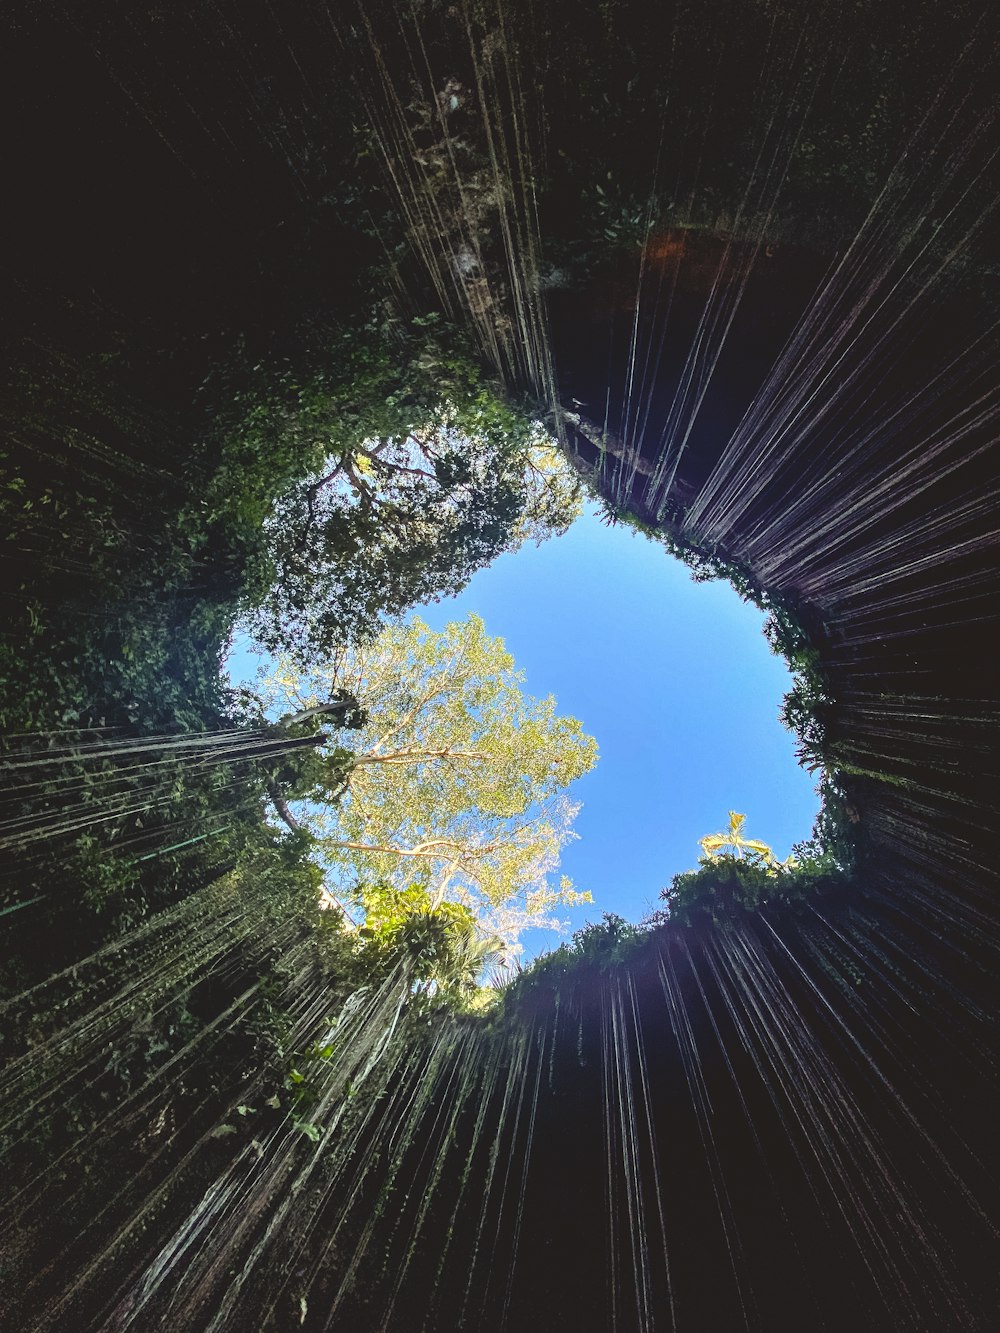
x=875, y=526
x=187, y=181
x=733, y=1128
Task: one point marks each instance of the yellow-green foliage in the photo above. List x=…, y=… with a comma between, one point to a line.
x=457, y=778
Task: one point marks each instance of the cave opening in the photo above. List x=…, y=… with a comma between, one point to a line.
x=739, y=261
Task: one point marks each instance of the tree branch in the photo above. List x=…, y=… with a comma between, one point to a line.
x=311, y=493
x=397, y=467
x=281, y=805
x=402, y=757
x=317, y=710
x=317, y=486
x=422, y=850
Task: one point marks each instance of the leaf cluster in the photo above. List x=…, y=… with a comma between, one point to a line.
x=439, y=945
x=394, y=470
x=727, y=887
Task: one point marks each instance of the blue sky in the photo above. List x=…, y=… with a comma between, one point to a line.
x=677, y=683
x=680, y=688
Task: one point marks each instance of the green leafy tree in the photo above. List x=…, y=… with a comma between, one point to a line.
x=454, y=782
x=445, y=950
x=409, y=474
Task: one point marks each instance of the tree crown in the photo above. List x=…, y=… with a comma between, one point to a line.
x=455, y=782
x=407, y=471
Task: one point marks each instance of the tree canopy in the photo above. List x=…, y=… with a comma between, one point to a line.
x=412, y=472
x=446, y=952
x=454, y=782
